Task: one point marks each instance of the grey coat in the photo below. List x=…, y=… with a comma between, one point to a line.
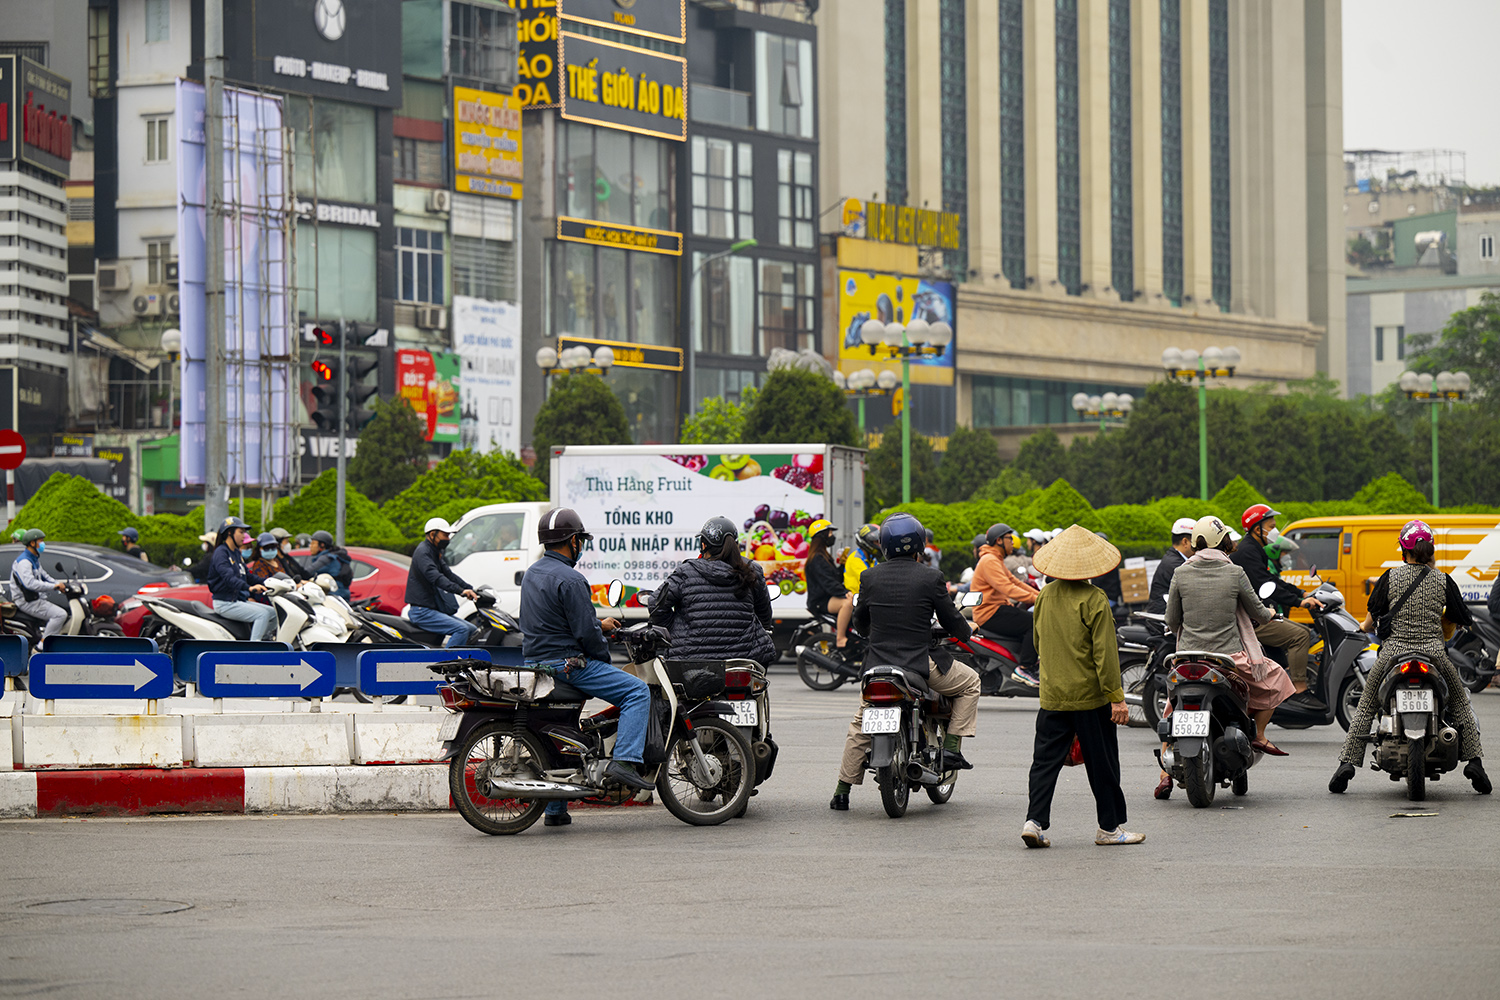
x=1201, y=604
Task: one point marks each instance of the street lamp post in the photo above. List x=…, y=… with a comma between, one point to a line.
x=1447, y=387
x=692, y=367
x=865, y=383
x=918, y=338
x=1110, y=406
x=572, y=359
x=1185, y=366
x=171, y=343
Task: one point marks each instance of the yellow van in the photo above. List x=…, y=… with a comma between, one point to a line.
x=1352, y=552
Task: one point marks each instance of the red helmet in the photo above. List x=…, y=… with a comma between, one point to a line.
x=1255, y=514
x=104, y=606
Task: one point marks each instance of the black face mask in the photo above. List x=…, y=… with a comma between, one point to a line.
x=442, y=543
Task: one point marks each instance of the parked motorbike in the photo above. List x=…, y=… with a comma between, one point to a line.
x=1412, y=736
x=1209, y=730
x=517, y=739
x=1151, y=697
x=1473, y=651
x=819, y=663
x=1136, y=642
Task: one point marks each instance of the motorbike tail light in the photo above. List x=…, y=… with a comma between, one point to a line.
x=1189, y=672
x=883, y=692
x=1414, y=669
x=451, y=699
x=738, y=677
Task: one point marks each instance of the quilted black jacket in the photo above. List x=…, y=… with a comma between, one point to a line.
x=708, y=620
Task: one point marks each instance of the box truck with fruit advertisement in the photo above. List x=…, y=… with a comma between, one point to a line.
x=644, y=505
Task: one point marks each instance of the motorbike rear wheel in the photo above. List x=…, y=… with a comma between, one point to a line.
x=812, y=674
x=364, y=699
x=895, y=790
x=1416, y=768
x=941, y=793
x=1198, y=776
x=692, y=796
x=490, y=747
x=1153, y=700
x=1134, y=674
x=1241, y=784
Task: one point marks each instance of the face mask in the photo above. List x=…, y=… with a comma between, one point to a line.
x=268, y=553
x=246, y=553
x=442, y=543
x=41, y=547
x=286, y=547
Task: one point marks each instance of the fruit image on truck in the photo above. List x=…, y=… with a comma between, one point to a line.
x=644, y=505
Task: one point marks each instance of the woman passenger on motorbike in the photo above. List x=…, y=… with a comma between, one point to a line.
x=716, y=606
x=1418, y=597
x=826, y=593
x=1212, y=609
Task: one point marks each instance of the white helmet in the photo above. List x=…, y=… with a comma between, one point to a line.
x=1209, y=532
x=327, y=582
x=437, y=524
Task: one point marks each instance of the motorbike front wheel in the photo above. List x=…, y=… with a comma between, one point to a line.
x=495, y=748
x=895, y=789
x=1416, y=768
x=1153, y=700
x=709, y=797
x=1198, y=776
x=813, y=674
x=1348, y=704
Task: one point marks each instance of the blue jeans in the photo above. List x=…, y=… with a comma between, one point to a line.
x=608, y=683
x=458, y=631
x=262, y=617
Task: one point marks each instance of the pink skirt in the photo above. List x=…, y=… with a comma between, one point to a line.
x=1268, y=693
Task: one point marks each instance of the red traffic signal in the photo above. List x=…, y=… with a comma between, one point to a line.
x=324, y=337
x=323, y=370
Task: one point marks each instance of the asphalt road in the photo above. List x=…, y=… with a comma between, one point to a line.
x=1289, y=891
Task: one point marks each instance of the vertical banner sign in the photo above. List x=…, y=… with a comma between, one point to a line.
x=486, y=143
x=257, y=300
x=536, y=35
x=36, y=118
x=444, y=392
x=487, y=336
x=415, y=374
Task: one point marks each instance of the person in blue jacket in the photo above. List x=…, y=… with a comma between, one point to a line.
x=230, y=585
x=430, y=586
x=327, y=557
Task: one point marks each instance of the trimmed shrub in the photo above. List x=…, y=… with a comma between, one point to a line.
x=313, y=509
x=1391, y=494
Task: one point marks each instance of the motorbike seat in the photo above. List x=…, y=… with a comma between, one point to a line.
x=562, y=691
x=919, y=685
x=238, y=629
x=1138, y=634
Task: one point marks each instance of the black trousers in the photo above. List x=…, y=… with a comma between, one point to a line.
x=1101, y=758
x=1012, y=622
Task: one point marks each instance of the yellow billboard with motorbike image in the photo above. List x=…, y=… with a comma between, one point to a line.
x=891, y=298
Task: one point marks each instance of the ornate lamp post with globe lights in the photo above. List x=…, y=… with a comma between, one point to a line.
x=1110, y=406
x=916, y=338
x=1446, y=387
x=1186, y=365
x=573, y=359
x=865, y=383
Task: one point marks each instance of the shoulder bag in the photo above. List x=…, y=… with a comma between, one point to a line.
x=1383, y=627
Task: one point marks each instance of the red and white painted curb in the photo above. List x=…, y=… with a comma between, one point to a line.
x=152, y=791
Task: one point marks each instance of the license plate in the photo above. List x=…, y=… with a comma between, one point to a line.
x=882, y=720
x=745, y=713
x=449, y=729
x=1413, y=700
x=1189, y=723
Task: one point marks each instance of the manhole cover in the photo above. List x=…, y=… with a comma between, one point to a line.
x=109, y=907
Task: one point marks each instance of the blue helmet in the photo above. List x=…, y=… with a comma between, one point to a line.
x=902, y=535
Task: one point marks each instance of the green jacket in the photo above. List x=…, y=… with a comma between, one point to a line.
x=1075, y=639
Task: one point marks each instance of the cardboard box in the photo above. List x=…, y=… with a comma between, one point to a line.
x=1135, y=586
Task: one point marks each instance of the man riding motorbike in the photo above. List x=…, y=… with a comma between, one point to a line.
x=716, y=606
x=866, y=554
x=565, y=638
x=897, y=600
x=327, y=557
x=1179, y=553
x=28, y=580
x=1003, y=611
x=1250, y=555
x=229, y=583
x=430, y=586
x=130, y=544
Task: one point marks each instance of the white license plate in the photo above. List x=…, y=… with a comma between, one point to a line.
x=745, y=713
x=1413, y=700
x=449, y=728
x=1189, y=723
x=882, y=720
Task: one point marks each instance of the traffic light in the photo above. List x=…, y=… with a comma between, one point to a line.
x=324, y=337
x=357, y=370
x=325, y=392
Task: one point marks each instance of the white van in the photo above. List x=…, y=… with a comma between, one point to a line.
x=494, y=545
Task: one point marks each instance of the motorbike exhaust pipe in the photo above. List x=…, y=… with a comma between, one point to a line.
x=917, y=773
x=763, y=752
x=836, y=667
x=1447, y=736
x=530, y=788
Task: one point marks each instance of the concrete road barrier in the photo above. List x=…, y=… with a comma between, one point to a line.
x=270, y=740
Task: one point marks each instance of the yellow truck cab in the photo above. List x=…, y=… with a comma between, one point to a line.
x=1352, y=552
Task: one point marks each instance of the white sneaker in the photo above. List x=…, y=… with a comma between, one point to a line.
x=1119, y=835
x=1033, y=835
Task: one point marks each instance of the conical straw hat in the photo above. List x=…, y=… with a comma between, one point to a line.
x=1076, y=554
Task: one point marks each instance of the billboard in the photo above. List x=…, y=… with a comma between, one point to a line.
x=36, y=124
x=429, y=382
x=260, y=403
x=536, y=37
x=617, y=86
x=486, y=143
x=894, y=299
x=327, y=48
x=487, y=338
x=664, y=19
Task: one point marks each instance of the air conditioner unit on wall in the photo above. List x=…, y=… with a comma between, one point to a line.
x=146, y=305
x=439, y=201
x=174, y=304
x=114, y=278
x=170, y=267
x=432, y=317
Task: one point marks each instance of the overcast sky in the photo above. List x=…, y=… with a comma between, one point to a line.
x=1421, y=74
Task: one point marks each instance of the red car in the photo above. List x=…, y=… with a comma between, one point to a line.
x=377, y=573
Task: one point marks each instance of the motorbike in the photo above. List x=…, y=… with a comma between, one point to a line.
x=815, y=643
x=1209, y=728
x=516, y=738
x=94, y=618
x=1136, y=642
x=495, y=627
x=1473, y=651
x=994, y=657
x=1342, y=657
x=1412, y=737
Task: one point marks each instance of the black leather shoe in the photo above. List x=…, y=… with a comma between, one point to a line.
x=1340, y=779
x=839, y=803
x=561, y=819
x=1475, y=773
x=627, y=775
x=953, y=761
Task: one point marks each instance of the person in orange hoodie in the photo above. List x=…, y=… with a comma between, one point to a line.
x=1003, y=612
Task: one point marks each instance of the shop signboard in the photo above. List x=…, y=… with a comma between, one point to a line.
x=894, y=299
x=338, y=49
x=619, y=86
x=922, y=227
x=486, y=143
x=430, y=383
x=536, y=36
x=627, y=355
x=487, y=338
x=664, y=19
x=608, y=234
x=36, y=124
x=117, y=482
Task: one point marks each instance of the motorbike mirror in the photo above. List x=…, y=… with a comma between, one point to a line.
x=1313, y=571
x=971, y=600
x=614, y=594
x=58, y=566
x=186, y=561
x=773, y=590
x=1267, y=589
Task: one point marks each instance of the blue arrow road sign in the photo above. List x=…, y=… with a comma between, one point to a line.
x=389, y=672
x=265, y=674
x=101, y=675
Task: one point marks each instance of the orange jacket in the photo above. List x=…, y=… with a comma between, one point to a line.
x=997, y=585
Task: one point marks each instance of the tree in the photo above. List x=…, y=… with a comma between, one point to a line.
x=718, y=421
x=1042, y=457
x=498, y=477
x=392, y=451
x=1093, y=464
x=1288, y=453
x=1158, y=454
x=971, y=460
x=883, y=471
x=580, y=409
x=1470, y=342
x=798, y=407
x=1011, y=482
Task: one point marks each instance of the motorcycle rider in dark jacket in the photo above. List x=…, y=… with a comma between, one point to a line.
x=430, y=586
x=897, y=600
x=716, y=607
x=1250, y=555
x=1161, y=580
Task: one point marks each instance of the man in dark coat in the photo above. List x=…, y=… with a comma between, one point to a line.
x=1250, y=556
x=430, y=586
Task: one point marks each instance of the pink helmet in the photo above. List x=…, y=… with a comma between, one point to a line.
x=1414, y=532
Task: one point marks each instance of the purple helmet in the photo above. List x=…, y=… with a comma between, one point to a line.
x=1414, y=532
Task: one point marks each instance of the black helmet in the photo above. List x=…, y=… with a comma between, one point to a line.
x=997, y=532
x=228, y=525
x=980, y=540
x=901, y=535
x=929, y=536
x=560, y=524
x=715, y=532
x=868, y=539
x=322, y=538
